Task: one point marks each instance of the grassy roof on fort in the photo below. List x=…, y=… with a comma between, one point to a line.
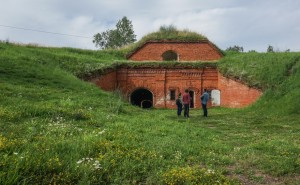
x=168, y=33
x=173, y=34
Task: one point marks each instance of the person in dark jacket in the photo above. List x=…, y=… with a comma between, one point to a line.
x=204, y=99
x=179, y=104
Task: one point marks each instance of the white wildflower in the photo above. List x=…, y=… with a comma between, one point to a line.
x=236, y=148
x=89, y=161
x=80, y=161
x=177, y=155
x=210, y=171
x=101, y=132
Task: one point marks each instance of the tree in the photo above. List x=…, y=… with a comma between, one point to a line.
x=121, y=36
x=270, y=49
x=235, y=48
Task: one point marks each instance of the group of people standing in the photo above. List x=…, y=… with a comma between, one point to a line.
x=185, y=100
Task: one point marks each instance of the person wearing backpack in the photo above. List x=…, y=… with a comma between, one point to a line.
x=179, y=104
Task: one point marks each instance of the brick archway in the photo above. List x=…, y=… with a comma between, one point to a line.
x=170, y=55
x=141, y=97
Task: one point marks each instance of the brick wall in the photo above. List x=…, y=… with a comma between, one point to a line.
x=107, y=82
x=191, y=51
x=235, y=94
x=161, y=81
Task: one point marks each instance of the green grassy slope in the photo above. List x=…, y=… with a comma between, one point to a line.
x=57, y=129
x=277, y=74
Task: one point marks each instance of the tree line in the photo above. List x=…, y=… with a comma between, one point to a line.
x=240, y=49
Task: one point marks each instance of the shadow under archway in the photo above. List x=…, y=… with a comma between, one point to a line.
x=142, y=98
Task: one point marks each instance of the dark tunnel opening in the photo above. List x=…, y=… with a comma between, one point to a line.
x=142, y=98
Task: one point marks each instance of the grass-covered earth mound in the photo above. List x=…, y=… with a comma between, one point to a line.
x=58, y=129
x=167, y=33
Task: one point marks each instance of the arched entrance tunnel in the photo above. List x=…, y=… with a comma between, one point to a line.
x=142, y=98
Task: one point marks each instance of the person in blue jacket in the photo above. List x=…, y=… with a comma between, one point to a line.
x=204, y=99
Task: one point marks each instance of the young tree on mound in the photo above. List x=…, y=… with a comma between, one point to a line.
x=121, y=36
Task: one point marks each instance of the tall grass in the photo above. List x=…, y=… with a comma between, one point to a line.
x=75, y=61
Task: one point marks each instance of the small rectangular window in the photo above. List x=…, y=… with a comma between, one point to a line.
x=172, y=95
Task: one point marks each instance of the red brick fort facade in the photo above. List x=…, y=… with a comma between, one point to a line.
x=159, y=87
x=162, y=82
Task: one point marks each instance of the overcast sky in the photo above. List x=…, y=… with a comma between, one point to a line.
x=252, y=24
